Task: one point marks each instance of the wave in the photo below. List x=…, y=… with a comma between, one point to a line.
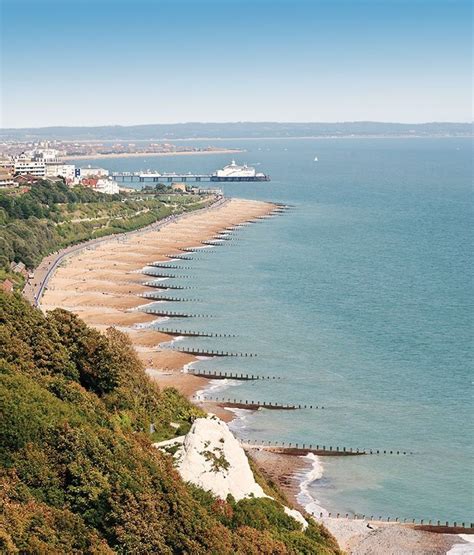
x=240, y=422
x=215, y=386
x=304, y=497
x=145, y=325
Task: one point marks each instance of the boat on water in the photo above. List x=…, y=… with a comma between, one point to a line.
x=315, y=158
x=234, y=172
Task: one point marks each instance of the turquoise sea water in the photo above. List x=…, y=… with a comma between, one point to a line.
x=359, y=299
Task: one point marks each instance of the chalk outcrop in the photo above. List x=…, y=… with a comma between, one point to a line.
x=212, y=458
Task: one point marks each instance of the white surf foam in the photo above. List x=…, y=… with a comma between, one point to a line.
x=215, y=386
x=241, y=420
x=304, y=497
x=145, y=325
x=187, y=367
x=463, y=548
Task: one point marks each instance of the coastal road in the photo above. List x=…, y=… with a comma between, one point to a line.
x=35, y=286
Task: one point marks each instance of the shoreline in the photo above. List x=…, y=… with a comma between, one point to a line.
x=112, y=295
x=147, y=154
x=114, y=290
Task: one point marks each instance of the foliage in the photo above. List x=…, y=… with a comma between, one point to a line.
x=51, y=216
x=41, y=200
x=78, y=472
x=217, y=459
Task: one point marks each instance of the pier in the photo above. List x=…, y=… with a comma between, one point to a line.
x=156, y=177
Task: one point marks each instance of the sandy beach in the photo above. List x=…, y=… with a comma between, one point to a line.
x=104, y=285
x=149, y=154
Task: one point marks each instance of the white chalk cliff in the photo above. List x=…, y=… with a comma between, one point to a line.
x=212, y=458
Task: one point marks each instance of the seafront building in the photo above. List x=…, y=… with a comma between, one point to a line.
x=91, y=171
x=102, y=185
x=107, y=186
x=24, y=164
x=67, y=171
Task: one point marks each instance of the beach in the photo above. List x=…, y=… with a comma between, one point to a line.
x=104, y=286
x=148, y=154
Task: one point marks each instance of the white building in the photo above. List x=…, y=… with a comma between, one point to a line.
x=67, y=171
x=44, y=154
x=25, y=165
x=107, y=186
x=90, y=171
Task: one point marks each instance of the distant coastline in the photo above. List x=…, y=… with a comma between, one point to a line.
x=147, y=154
x=238, y=130
x=316, y=137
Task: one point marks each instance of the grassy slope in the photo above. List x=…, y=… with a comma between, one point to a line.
x=78, y=473
x=51, y=216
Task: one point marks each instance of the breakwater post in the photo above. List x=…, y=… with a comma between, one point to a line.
x=254, y=405
x=190, y=333
x=216, y=375
x=324, y=450
x=211, y=352
x=439, y=527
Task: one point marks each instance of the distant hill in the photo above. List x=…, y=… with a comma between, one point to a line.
x=239, y=130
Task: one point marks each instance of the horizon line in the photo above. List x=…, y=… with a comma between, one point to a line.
x=64, y=126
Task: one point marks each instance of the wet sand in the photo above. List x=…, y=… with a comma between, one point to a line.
x=357, y=537
x=284, y=470
x=104, y=285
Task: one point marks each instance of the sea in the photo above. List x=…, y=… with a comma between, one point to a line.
x=358, y=299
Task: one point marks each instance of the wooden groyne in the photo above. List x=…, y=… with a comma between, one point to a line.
x=212, y=353
x=219, y=375
x=427, y=525
x=179, y=256
x=196, y=249
x=226, y=237
x=190, y=333
x=173, y=314
x=168, y=266
x=161, y=275
x=213, y=243
x=254, y=405
x=158, y=297
x=161, y=285
x=301, y=449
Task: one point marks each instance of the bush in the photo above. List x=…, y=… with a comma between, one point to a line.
x=78, y=473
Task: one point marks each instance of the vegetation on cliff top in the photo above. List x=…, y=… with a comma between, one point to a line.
x=51, y=216
x=78, y=473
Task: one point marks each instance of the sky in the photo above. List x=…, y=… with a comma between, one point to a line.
x=101, y=62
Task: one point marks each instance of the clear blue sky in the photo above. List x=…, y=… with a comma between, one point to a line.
x=78, y=62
